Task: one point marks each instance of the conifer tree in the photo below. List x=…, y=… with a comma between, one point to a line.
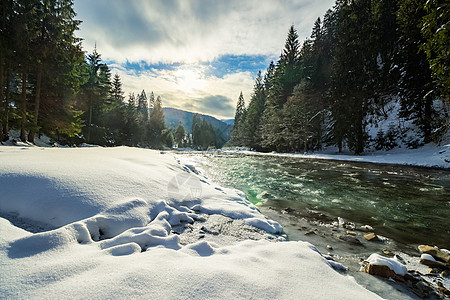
x=252, y=134
x=180, y=135
x=142, y=106
x=436, y=31
x=156, y=124
x=416, y=76
x=237, y=135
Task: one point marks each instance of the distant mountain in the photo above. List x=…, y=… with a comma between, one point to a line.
x=173, y=116
x=228, y=121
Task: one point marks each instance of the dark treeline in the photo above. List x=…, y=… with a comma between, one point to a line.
x=360, y=57
x=49, y=86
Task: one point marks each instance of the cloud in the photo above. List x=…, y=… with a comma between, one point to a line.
x=192, y=31
x=197, y=55
x=190, y=87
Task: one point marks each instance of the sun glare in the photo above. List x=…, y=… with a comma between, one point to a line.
x=190, y=80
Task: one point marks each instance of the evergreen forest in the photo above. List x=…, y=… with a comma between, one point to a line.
x=363, y=58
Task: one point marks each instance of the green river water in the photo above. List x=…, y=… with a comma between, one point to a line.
x=410, y=205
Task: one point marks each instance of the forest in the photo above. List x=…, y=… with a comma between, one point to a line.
x=50, y=86
x=362, y=56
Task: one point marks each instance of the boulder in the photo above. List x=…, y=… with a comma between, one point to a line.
x=385, y=267
x=435, y=252
x=370, y=236
x=383, y=271
x=428, y=260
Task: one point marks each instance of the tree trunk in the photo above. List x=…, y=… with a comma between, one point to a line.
x=23, y=107
x=90, y=121
x=427, y=120
x=36, y=106
x=2, y=110
x=8, y=89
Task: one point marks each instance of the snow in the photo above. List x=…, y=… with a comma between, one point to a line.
x=428, y=257
x=394, y=265
x=105, y=220
x=430, y=155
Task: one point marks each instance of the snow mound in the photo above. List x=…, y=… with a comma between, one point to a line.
x=119, y=215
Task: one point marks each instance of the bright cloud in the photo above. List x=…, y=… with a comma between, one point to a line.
x=193, y=51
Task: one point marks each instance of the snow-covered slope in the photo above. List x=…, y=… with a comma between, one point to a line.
x=430, y=155
x=122, y=222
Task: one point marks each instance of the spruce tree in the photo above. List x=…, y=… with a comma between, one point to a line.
x=416, y=77
x=156, y=124
x=237, y=135
x=252, y=133
x=180, y=135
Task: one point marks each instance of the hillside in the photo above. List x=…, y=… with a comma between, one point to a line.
x=173, y=116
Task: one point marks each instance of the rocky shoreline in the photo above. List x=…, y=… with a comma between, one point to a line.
x=418, y=271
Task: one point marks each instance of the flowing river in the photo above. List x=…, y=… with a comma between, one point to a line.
x=410, y=205
x=405, y=206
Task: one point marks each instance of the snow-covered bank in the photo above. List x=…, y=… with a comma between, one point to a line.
x=427, y=156
x=117, y=214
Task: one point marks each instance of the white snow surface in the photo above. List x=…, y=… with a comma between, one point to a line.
x=393, y=264
x=113, y=210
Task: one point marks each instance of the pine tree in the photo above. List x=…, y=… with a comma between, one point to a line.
x=156, y=124
x=436, y=31
x=116, y=91
x=252, y=134
x=354, y=64
x=131, y=128
x=180, y=135
x=416, y=76
x=289, y=71
x=237, y=135
x=142, y=106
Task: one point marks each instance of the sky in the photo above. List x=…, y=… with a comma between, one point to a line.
x=198, y=55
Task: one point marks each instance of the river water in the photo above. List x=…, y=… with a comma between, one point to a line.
x=406, y=206
x=410, y=205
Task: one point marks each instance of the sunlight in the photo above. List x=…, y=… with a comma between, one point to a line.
x=190, y=80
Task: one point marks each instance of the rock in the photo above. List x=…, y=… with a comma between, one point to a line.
x=350, y=239
x=387, y=252
x=436, y=253
x=445, y=273
x=432, y=271
x=366, y=228
x=383, y=271
x=350, y=232
x=428, y=260
x=329, y=247
x=443, y=289
x=400, y=259
x=350, y=226
x=371, y=237
x=288, y=210
x=310, y=233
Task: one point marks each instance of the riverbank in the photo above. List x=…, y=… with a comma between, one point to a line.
x=430, y=155
x=125, y=222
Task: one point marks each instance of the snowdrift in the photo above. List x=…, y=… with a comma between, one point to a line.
x=125, y=222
